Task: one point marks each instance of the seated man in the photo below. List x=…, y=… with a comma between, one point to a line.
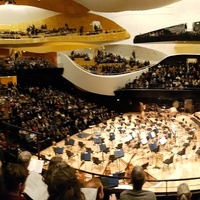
x=137, y=193
x=15, y=177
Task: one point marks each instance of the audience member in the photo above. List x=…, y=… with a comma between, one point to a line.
x=63, y=183
x=15, y=177
x=137, y=179
x=183, y=192
x=24, y=159
x=53, y=162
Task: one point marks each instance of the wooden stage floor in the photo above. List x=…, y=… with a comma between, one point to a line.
x=168, y=130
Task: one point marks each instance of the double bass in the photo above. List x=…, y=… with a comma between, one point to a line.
x=128, y=169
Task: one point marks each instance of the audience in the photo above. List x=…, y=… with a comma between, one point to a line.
x=24, y=159
x=169, y=75
x=15, y=177
x=183, y=192
x=63, y=183
x=138, y=180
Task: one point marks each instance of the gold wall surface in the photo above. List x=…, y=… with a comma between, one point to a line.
x=73, y=14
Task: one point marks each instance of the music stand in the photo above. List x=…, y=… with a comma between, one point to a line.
x=154, y=147
x=118, y=153
x=144, y=141
x=102, y=148
x=70, y=142
x=97, y=140
x=110, y=181
x=97, y=133
x=86, y=156
x=80, y=134
x=58, y=150
x=163, y=140
x=151, y=134
x=112, y=137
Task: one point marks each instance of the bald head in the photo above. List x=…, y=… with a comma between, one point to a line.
x=137, y=177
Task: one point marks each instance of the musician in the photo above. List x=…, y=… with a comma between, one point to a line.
x=142, y=107
x=138, y=180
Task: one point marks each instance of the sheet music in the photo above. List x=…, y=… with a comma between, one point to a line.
x=36, y=165
x=35, y=187
x=90, y=193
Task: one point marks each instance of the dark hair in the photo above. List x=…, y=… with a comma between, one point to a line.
x=53, y=162
x=63, y=183
x=14, y=175
x=137, y=177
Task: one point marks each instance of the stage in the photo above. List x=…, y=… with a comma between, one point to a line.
x=129, y=140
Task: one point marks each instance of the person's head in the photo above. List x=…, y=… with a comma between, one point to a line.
x=15, y=178
x=63, y=183
x=96, y=183
x=53, y=162
x=137, y=177
x=24, y=158
x=183, y=192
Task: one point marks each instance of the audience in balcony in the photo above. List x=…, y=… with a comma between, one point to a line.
x=169, y=76
x=9, y=65
x=106, y=63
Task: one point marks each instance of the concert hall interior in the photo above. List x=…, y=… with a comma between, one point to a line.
x=106, y=86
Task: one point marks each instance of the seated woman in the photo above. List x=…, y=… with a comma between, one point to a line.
x=63, y=183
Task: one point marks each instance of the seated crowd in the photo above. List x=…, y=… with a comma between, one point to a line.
x=168, y=76
x=37, y=32
x=61, y=182
x=106, y=63
x=12, y=65
x=53, y=113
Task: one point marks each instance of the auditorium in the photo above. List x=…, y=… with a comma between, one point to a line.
x=93, y=90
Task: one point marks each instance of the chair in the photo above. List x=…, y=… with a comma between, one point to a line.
x=182, y=152
x=198, y=152
x=96, y=161
x=119, y=146
x=88, y=149
x=81, y=144
x=145, y=165
x=69, y=154
x=169, y=161
x=112, y=158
